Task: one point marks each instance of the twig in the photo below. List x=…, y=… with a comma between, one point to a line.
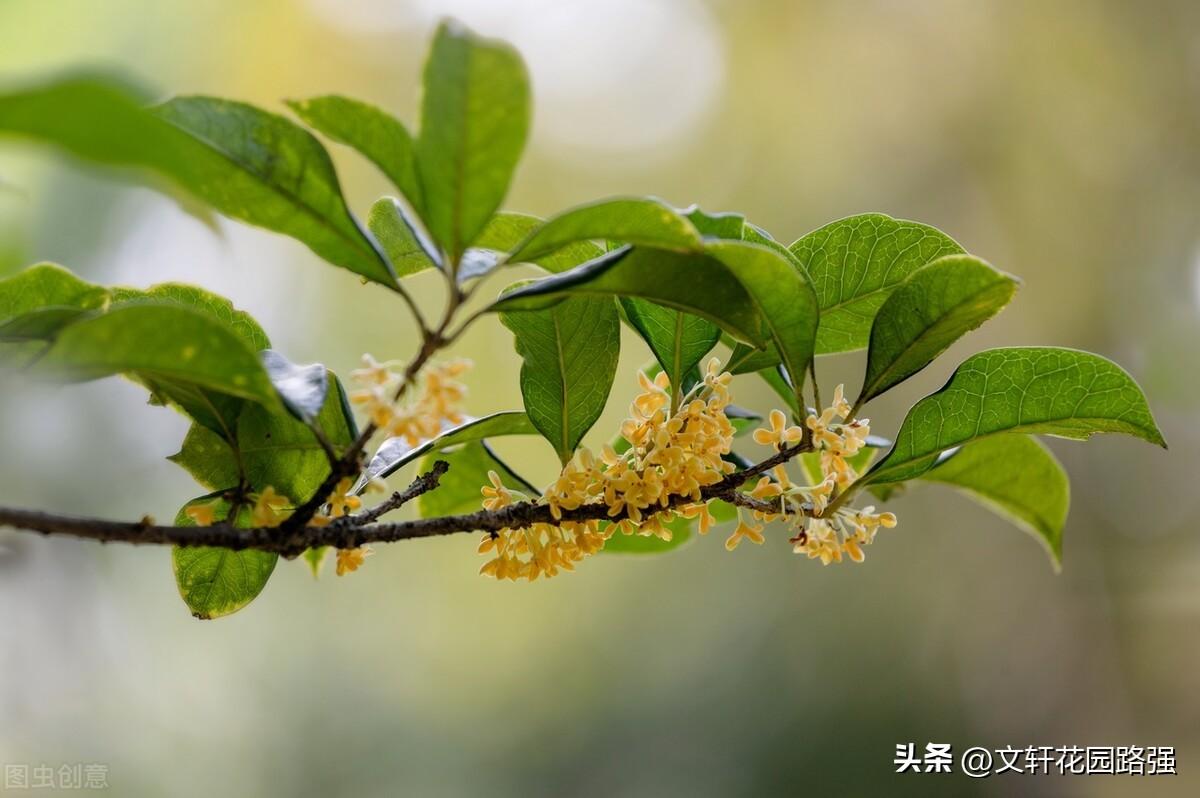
x=422, y=484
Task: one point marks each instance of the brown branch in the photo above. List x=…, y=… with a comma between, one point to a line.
x=422, y=484
x=292, y=542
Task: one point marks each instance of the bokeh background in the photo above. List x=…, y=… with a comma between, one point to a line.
x=1056, y=139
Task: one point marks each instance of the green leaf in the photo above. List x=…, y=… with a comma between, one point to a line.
x=215, y=410
x=458, y=490
x=26, y=330
x=248, y=164
x=1043, y=390
x=1018, y=477
x=159, y=343
x=750, y=291
x=47, y=286
x=569, y=359
x=377, y=135
x=933, y=308
x=401, y=238
x=302, y=388
x=218, y=307
x=262, y=168
x=505, y=231
x=717, y=225
x=215, y=582
x=678, y=340
x=855, y=263
x=696, y=284
x=394, y=453
x=784, y=297
x=474, y=120
x=279, y=451
x=214, y=458
x=627, y=220
x=36, y=304
x=778, y=382
x=209, y=457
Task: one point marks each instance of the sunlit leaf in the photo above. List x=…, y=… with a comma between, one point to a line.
x=626, y=220
x=855, y=263
x=569, y=358
x=246, y=163
x=933, y=308
x=1043, y=390
x=743, y=420
x=679, y=341
x=45, y=286
x=783, y=295
x=239, y=322
x=376, y=134
x=36, y=304
x=474, y=119
x=159, y=341
x=214, y=409
x=696, y=284
x=402, y=238
x=504, y=232
x=716, y=225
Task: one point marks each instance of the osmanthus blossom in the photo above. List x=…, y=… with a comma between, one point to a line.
x=670, y=455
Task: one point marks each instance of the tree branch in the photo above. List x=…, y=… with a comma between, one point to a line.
x=422, y=484
x=292, y=542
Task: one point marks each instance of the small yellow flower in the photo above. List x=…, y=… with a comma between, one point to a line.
x=269, y=508
x=341, y=502
x=820, y=494
x=698, y=511
x=350, y=560
x=853, y=549
x=372, y=372
x=840, y=405
x=779, y=434
x=496, y=496
x=203, y=514
x=377, y=402
x=750, y=532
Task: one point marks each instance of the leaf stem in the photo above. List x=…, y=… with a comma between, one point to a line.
x=812, y=371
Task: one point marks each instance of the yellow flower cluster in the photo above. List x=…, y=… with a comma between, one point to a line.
x=848, y=530
x=342, y=502
x=436, y=405
x=269, y=509
x=669, y=454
